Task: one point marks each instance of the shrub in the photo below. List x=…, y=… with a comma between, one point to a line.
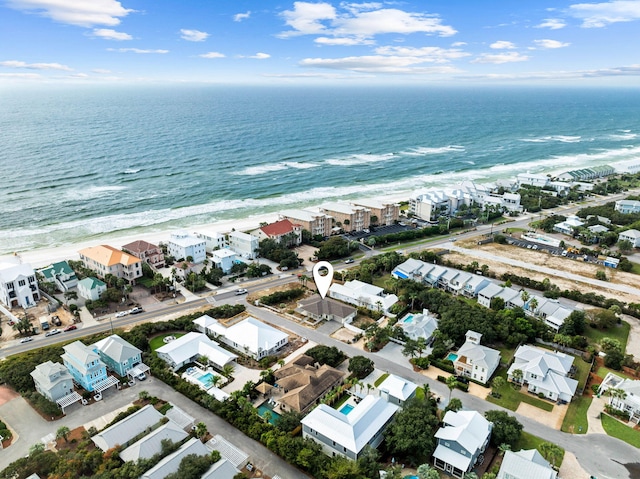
x=282, y=296
x=462, y=386
x=422, y=363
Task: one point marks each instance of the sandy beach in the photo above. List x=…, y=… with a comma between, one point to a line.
x=45, y=256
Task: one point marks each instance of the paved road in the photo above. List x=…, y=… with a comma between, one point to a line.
x=31, y=427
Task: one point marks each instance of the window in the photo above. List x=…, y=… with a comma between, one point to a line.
x=22, y=282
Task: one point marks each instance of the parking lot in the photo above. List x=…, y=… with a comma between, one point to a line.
x=552, y=250
x=378, y=231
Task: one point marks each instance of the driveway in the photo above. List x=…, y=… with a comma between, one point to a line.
x=30, y=427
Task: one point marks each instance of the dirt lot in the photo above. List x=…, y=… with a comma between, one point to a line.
x=545, y=259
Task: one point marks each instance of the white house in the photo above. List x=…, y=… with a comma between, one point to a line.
x=486, y=294
x=567, y=227
x=548, y=310
x=363, y=294
x=346, y=434
x=91, y=288
x=474, y=360
x=627, y=206
x=457, y=284
x=434, y=275
x=18, y=285
x=244, y=244
x=633, y=236
x=52, y=380
x=414, y=269
x=628, y=400
x=544, y=372
x=419, y=325
x=151, y=444
x=127, y=428
x=463, y=438
x=223, y=259
x=170, y=464
x=212, y=240
x=429, y=205
x=475, y=284
x=525, y=464
x=181, y=245
x=60, y=274
x=251, y=336
x=191, y=346
x=533, y=179
x=397, y=390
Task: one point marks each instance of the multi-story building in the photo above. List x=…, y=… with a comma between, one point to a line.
x=119, y=355
x=18, y=285
x=182, y=245
x=385, y=212
x=352, y=218
x=84, y=365
x=61, y=275
x=363, y=294
x=627, y=206
x=282, y=232
x=633, y=236
x=52, y=380
x=243, y=244
x=430, y=205
x=106, y=260
x=316, y=223
x=147, y=252
x=474, y=360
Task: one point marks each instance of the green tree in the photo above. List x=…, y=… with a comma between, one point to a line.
x=451, y=383
x=454, y=405
x=425, y=471
x=551, y=452
x=201, y=430
x=601, y=275
x=497, y=383
x=227, y=370
x=517, y=376
x=368, y=464
x=625, y=246
x=360, y=366
x=63, y=433
x=506, y=428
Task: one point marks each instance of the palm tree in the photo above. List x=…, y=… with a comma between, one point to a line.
x=496, y=384
x=63, y=433
x=201, y=430
x=227, y=370
x=616, y=393
x=303, y=278
x=504, y=447
x=517, y=375
x=451, y=382
x=524, y=296
x=550, y=452
x=533, y=305
x=281, y=363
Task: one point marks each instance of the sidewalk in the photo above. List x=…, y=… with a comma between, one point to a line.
x=593, y=416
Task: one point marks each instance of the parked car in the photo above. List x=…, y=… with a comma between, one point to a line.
x=141, y=377
x=53, y=332
x=241, y=291
x=348, y=261
x=26, y=340
x=122, y=314
x=56, y=320
x=135, y=310
x=71, y=327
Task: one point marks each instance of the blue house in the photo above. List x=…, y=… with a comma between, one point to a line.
x=119, y=355
x=85, y=366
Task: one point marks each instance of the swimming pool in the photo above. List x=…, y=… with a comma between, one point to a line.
x=408, y=319
x=346, y=409
x=207, y=380
x=452, y=357
x=266, y=407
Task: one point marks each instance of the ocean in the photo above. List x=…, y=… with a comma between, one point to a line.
x=88, y=162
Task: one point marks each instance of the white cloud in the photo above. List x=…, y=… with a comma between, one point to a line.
x=136, y=50
x=305, y=18
x=546, y=43
x=238, y=17
x=502, y=45
x=596, y=15
x=552, y=24
x=359, y=21
x=79, y=75
x=193, y=35
x=458, y=44
x=83, y=13
x=498, y=58
x=109, y=34
x=426, y=54
x=343, y=41
x=212, y=55
x=35, y=66
x=21, y=76
x=378, y=64
x=631, y=70
x=260, y=56
x=101, y=71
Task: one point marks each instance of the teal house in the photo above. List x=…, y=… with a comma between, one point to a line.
x=119, y=355
x=60, y=274
x=85, y=366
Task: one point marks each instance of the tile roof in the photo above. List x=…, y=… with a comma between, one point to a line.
x=139, y=246
x=108, y=255
x=278, y=228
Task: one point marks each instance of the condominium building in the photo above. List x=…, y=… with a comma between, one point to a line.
x=386, y=212
x=181, y=245
x=104, y=260
x=352, y=218
x=316, y=223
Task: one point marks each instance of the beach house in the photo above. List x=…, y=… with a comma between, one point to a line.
x=223, y=259
x=363, y=294
x=119, y=355
x=61, y=275
x=429, y=205
x=627, y=206
x=461, y=441
x=413, y=269
x=52, y=380
x=474, y=285
x=475, y=361
x=85, y=366
x=525, y=464
x=283, y=232
x=147, y=252
x=91, y=288
x=632, y=236
x=326, y=309
x=182, y=245
x=624, y=395
x=169, y=464
x=315, y=222
x=104, y=260
x=533, y=179
x=486, y=294
x=568, y=226
x=126, y=429
x=151, y=444
x=352, y=218
x=186, y=349
x=243, y=244
x=397, y=390
x=18, y=284
x=347, y=433
x=544, y=372
x=419, y=325
x=251, y=336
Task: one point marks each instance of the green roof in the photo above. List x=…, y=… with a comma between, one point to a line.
x=61, y=267
x=91, y=283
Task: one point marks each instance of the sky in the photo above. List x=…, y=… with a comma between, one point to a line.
x=321, y=42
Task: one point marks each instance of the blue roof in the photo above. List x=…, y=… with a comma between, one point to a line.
x=400, y=274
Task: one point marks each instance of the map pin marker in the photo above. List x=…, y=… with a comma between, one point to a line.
x=323, y=282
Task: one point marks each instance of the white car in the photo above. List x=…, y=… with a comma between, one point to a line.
x=122, y=314
x=241, y=291
x=26, y=340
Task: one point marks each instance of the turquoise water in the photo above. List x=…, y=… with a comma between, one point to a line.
x=346, y=409
x=408, y=319
x=207, y=380
x=452, y=357
x=264, y=407
x=103, y=161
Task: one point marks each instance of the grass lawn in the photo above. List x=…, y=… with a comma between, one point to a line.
x=529, y=441
x=380, y=281
x=158, y=342
x=345, y=397
x=635, y=269
x=575, y=421
x=615, y=428
x=511, y=398
x=619, y=332
x=602, y=372
x=506, y=354
x=380, y=379
x=583, y=368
